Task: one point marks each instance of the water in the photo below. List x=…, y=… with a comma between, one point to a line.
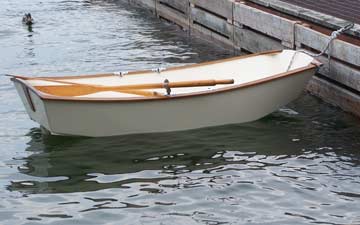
x=300, y=165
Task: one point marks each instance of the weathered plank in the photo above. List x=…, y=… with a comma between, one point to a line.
x=172, y=15
x=340, y=49
x=254, y=42
x=266, y=23
x=222, y=8
x=212, y=22
x=180, y=5
x=335, y=95
x=340, y=72
x=211, y=37
x=322, y=19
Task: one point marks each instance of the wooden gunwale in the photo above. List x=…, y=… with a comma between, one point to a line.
x=179, y=96
x=45, y=96
x=148, y=71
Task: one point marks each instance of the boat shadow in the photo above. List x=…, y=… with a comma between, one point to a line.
x=72, y=164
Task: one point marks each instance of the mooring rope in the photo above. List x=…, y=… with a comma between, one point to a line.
x=334, y=35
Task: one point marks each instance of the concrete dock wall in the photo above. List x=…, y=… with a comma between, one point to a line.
x=149, y=4
x=242, y=27
x=213, y=19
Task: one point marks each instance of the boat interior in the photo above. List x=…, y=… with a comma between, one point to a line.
x=227, y=72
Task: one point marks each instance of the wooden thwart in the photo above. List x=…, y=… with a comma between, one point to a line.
x=74, y=89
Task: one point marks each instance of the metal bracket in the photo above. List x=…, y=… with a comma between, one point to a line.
x=121, y=73
x=167, y=87
x=158, y=70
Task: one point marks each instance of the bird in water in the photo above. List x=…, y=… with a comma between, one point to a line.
x=27, y=19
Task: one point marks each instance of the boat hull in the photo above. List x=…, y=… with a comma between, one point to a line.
x=111, y=118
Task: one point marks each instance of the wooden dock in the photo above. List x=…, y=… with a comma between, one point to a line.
x=262, y=25
x=344, y=9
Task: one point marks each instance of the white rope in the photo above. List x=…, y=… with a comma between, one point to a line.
x=334, y=35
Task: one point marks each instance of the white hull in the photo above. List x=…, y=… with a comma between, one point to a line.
x=110, y=118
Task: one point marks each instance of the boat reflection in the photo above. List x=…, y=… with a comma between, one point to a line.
x=68, y=164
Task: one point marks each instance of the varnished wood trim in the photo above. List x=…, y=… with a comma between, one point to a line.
x=179, y=96
x=86, y=89
x=149, y=71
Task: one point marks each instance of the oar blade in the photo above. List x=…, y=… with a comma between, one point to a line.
x=67, y=90
x=78, y=90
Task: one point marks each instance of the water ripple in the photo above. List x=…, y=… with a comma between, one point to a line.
x=299, y=165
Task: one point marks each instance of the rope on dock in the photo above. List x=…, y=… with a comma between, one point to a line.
x=334, y=35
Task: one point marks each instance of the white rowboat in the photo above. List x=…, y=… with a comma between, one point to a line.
x=235, y=90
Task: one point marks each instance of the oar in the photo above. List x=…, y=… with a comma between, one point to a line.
x=142, y=93
x=134, y=92
x=79, y=89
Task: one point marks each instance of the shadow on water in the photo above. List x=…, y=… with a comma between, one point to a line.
x=169, y=153
x=72, y=163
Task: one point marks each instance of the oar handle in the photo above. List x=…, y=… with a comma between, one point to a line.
x=179, y=84
x=225, y=81
x=197, y=83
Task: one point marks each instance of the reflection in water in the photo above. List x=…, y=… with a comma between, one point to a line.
x=30, y=29
x=297, y=166
x=253, y=166
x=176, y=153
x=169, y=154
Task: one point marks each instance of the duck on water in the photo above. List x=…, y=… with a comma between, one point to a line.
x=27, y=19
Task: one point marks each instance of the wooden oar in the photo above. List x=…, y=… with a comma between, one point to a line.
x=134, y=92
x=142, y=93
x=79, y=89
x=76, y=89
